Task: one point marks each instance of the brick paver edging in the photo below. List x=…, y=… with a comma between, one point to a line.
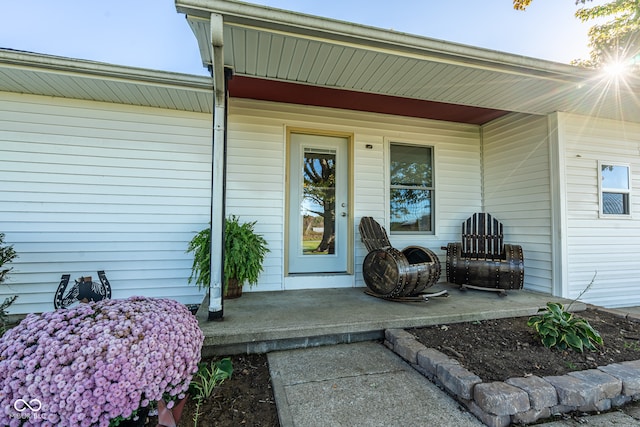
x=520, y=400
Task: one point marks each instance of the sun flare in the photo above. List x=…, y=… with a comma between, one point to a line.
x=617, y=69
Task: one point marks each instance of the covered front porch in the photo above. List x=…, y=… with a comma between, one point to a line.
x=260, y=322
x=490, y=128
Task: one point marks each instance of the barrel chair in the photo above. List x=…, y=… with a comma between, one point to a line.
x=390, y=273
x=482, y=260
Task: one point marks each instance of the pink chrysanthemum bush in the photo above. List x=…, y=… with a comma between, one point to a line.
x=97, y=362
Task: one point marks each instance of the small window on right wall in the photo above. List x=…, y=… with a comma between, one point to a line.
x=615, y=189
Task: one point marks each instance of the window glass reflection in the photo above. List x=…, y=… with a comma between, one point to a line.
x=411, y=190
x=615, y=177
x=318, y=204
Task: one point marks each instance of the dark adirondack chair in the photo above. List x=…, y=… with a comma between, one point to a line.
x=482, y=260
x=390, y=273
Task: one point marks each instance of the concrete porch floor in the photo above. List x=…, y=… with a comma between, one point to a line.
x=260, y=322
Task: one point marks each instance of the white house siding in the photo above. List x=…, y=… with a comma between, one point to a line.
x=608, y=246
x=256, y=172
x=87, y=186
x=517, y=190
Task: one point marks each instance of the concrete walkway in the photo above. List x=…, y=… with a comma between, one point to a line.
x=362, y=384
x=365, y=384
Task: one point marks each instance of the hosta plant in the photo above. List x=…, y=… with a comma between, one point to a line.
x=98, y=363
x=208, y=377
x=558, y=328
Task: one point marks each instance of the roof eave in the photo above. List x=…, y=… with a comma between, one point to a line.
x=437, y=70
x=70, y=65
x=309, y=25
x=36, y=74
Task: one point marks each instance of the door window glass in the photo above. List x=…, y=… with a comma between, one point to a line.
x=318, y=202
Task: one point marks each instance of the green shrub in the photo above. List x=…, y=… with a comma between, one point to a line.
x=559, y=328
x=7, y=254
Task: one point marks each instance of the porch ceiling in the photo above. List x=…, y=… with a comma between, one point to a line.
x=275, y=45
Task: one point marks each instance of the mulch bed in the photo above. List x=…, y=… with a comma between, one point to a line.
x=496, y=350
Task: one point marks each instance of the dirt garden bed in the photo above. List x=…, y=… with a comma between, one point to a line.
x=246, y=399
x=496, y=350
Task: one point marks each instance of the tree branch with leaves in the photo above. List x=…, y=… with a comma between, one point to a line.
x=614, y=41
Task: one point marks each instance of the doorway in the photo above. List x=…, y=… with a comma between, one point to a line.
x=318, y=210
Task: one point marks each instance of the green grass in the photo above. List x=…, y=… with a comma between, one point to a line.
x=308, y=246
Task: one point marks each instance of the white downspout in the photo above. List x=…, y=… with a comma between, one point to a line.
x=217, y=169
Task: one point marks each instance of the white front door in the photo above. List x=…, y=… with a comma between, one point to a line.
x=318, y=204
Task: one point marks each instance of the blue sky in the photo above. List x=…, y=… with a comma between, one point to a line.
x=151, y=34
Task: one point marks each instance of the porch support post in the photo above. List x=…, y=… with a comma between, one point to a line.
x=560, y=285
x=217, y=170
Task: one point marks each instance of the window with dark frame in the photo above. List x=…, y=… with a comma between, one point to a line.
x=615, y=189
x=411, y=191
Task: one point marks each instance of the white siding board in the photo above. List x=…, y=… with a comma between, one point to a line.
x=517, y=190
x=63, y=116
x=73, y=188
x=40, y=199
x=94, y=156
x=90, y=186
x=254, y=188
x=608, y=246
x=369, y=189
x=137, y=183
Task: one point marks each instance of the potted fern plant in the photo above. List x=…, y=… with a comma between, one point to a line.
x=244, y=252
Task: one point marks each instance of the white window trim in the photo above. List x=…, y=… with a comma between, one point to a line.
x=434, y=150
x=602, y=189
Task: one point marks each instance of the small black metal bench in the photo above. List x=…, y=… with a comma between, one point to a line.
x=482, y=260
x=390, y=273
